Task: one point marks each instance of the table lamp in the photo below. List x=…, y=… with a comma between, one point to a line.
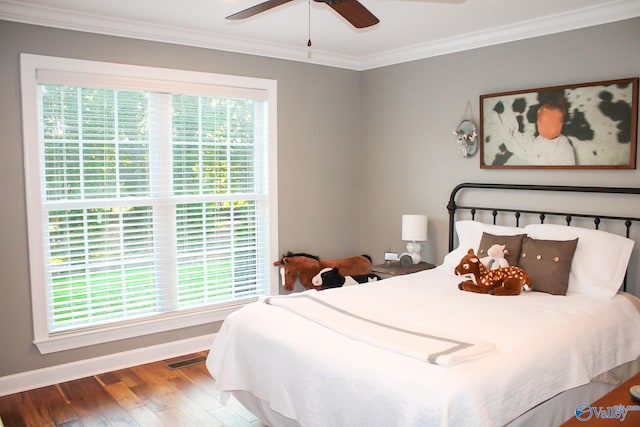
x=414, y=231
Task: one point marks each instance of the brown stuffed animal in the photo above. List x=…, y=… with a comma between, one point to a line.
x=305, y=267
x=501, y=281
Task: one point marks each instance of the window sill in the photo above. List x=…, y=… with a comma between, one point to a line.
x=70, y=340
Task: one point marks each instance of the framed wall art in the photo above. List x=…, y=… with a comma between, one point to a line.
x=581, y=126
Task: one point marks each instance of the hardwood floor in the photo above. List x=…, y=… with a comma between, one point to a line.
x=155, y=394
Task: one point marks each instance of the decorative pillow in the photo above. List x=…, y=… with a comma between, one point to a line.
x=548, y=263
x=469, y=236
x=513, y=246
x=600, y=261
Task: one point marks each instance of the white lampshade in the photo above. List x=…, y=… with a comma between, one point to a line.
x=414, y=228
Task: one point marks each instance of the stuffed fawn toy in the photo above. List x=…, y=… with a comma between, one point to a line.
x=501, y=281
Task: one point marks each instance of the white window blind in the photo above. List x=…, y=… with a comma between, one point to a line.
x=151, y=205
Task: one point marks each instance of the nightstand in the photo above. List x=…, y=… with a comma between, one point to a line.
x=395, y=269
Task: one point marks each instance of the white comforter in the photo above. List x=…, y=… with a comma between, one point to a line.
x=544, y=345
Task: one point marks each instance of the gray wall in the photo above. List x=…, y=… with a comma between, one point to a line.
x=356, y=149
x=319, y=124
x=410, y=163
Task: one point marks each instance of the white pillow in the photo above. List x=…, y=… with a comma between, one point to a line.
x=599, y=263
x=469, y=235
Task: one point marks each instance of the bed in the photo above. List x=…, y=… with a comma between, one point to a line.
x=414, y=350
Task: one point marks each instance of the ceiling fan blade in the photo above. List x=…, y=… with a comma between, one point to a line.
x=354, y=12
x=254, y=10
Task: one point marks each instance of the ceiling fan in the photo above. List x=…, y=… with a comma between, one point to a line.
x=351, y=10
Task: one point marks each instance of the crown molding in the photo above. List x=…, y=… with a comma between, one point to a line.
x=616, y=10
x=79, y=21
x=613, y=11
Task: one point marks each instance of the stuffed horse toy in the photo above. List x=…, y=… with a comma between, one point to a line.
x=298, y=266
x=501, y=281
x=304, y=267
x=331, y=278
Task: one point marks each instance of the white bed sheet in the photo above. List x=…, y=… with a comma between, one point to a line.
x=544, y=345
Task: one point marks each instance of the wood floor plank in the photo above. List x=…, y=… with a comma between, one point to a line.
x=9, y=410
x=128, y=377
x=74, y=423
x=192, y=411
x=123, y=395
x=33, y=414
x=118, y=416
x=230, y=418
x=94, y=404
x=234, y=405
x=198, y=395
x=108, y=378
x=175, y=417
x=199, y=374
x=156, y=375
x=150, y=395
x=87, y=398
x=145, y=417
x=91, y=420
x=53, y=404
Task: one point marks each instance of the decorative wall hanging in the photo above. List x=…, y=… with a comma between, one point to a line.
x=466, y=134
x=582, y=126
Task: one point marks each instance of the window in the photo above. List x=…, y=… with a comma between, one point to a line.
x=150, y=197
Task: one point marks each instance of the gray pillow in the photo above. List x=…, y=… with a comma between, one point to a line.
x=548, y=263
x=513, y=246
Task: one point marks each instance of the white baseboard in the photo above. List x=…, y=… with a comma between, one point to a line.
x=85, y=368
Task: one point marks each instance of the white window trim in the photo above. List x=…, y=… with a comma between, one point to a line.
x=134, y=77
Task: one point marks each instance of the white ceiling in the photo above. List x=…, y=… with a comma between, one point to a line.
x=408, y=29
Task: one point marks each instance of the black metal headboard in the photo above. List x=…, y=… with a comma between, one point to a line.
x=453, y=207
